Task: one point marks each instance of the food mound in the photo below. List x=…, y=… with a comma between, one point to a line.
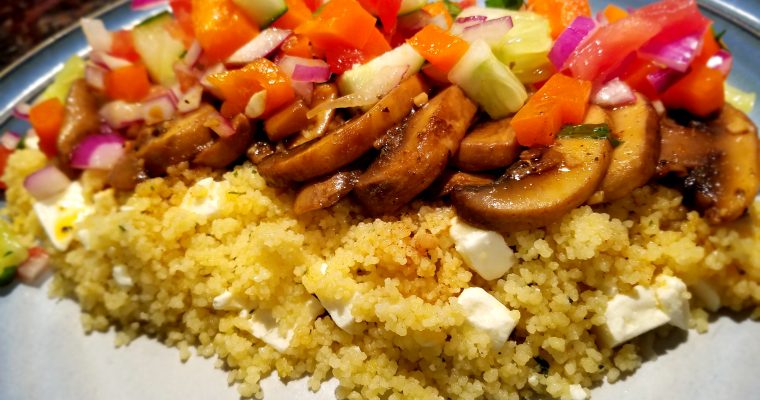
x=420, y=200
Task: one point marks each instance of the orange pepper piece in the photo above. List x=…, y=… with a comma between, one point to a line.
x=341, y=23
x=298, y=13
x=220, y=27
x=439, y=47
x=46, y=118
x=128, y=83
x=439, y=8
x=700, y=92
x=237, y=87
x=298, y=46
x=614, y=13
x=560, y=13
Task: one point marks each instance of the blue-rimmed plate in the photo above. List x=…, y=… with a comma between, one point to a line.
x=45, y=355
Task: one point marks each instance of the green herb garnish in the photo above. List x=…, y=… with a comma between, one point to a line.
x=591, y=131
x=453, y=8
x=510, y=4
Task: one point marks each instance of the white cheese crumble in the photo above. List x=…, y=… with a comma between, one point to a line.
x=707, y=295
x=206, y=205
x=488, y=314
x=60, y=214
x=120, y=276
x=630, y=316
x=339, y=308
x=266, y=328
x=226, y=301
x=484, y=251
x=577, y=392
x=673, y=297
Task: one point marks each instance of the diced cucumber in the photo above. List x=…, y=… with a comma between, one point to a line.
x=12, y=253
x=740, y=99
x=263, y=12
x=361, y=77
x=158, y=49
x=489, y=82
x=525, y=47
x=72, y=70
x=408, y=6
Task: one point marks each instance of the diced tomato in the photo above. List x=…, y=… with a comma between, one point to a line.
x=386, y=10
x=4, y=154
x=466, y=3
x=122, y=46
x=237, y=87
x=182, y=10
x=700, y=92
x=342, y=58
x=614, y=13
x=340, y=23
x=220, y=27
x=439, y=8
x=636, y=77
x=561, y=100
x=313, y=4
x=439, y=47
x=46, y=118
x=298, y=13
x=128, y=83
x=35, y=265
x=298, y=46
x=560, y=13
x=178, y=32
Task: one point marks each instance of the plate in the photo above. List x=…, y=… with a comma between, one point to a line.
x=45, y=355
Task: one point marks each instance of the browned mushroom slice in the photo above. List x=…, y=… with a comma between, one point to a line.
x=490, y=145
x=430, y=137
x=451, y=179
x=325, y=193
x=511, y=205
x=259, y=150
x=127, y=173
x=288, y=121
x=634, y=161
x=179, y=140
x=80, y=121
x=227, y=150
x=321, y=123
x=345, y=144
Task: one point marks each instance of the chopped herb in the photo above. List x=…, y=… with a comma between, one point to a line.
x=542, y=364
x=7, y=253
x=65, y=229
x=236, y=193
x=591, y=131
x=719, y=39
x=510, y=4
x=453, y=8
x=21, y=144
x=122, y=228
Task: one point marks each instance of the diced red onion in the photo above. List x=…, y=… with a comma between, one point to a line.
x=614, y=93
x=98, y=152
x=46, y=182
x=311, y=71
x=120, y=114
x=159, y=109
x=95, y=76
x=193, y=54
x=663, y=78
x=35, y=266
x=287, y=65
x=214, y=69
x=490, y=31
x=108, y=61
x=723, y=61
x=10, y=140
x=261, y=46
x=97, y=35
x=21, y=111
x=217, y=123
x=677, y=54
x=145, y=4
x=190, y=100
x=569, y=40
x=106, y=129
x=256, y=105
x=473, y=19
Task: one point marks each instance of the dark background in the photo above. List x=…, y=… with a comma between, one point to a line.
x=25, y=23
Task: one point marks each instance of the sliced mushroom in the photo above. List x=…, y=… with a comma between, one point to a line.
x=347, y=143
x=81, y=120
x=322, y=122
x=451, y=180
x=511, y=205
x=490, y=145
x=288, y=121
x=127, y=172
x=634, y=161
x=325, y=193
x=430, y=137
x=227, y=150
x=178, y=140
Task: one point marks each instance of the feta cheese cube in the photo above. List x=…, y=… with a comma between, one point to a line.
x=629, y=316
x=577, y=392
x=226, y=301
x=207, y=205
x=339, y=309
x=120, y=276
x=673, y=297
x=483, y=251
x=266, y=328
x=60, y=214
x=488, y=314
x=707, y=295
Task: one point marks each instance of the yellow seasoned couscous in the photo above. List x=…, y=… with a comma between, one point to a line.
x=222, y=265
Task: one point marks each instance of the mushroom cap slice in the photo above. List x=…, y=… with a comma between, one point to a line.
x=429, y=138
x=489, y=145
x=345, y=144
x=634, y=161
x=81, y=120
x=325, y=193
x=226, y=150
x=511, y=205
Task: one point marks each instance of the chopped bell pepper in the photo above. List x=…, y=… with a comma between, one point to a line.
x=46, y=118
x=560, y=13
x=182, y=11
x=614, y=13
x=561, y=100
x=220, y=27
x=699, y=92
x=298, y=46
x=340, y=23
x=237, y=87
x=128, y=83
x=343, y=58
x=298, y=13
x=122, y=46
x=439, y=47
x=386, y=10
x=636, y=77
x=439, y=8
